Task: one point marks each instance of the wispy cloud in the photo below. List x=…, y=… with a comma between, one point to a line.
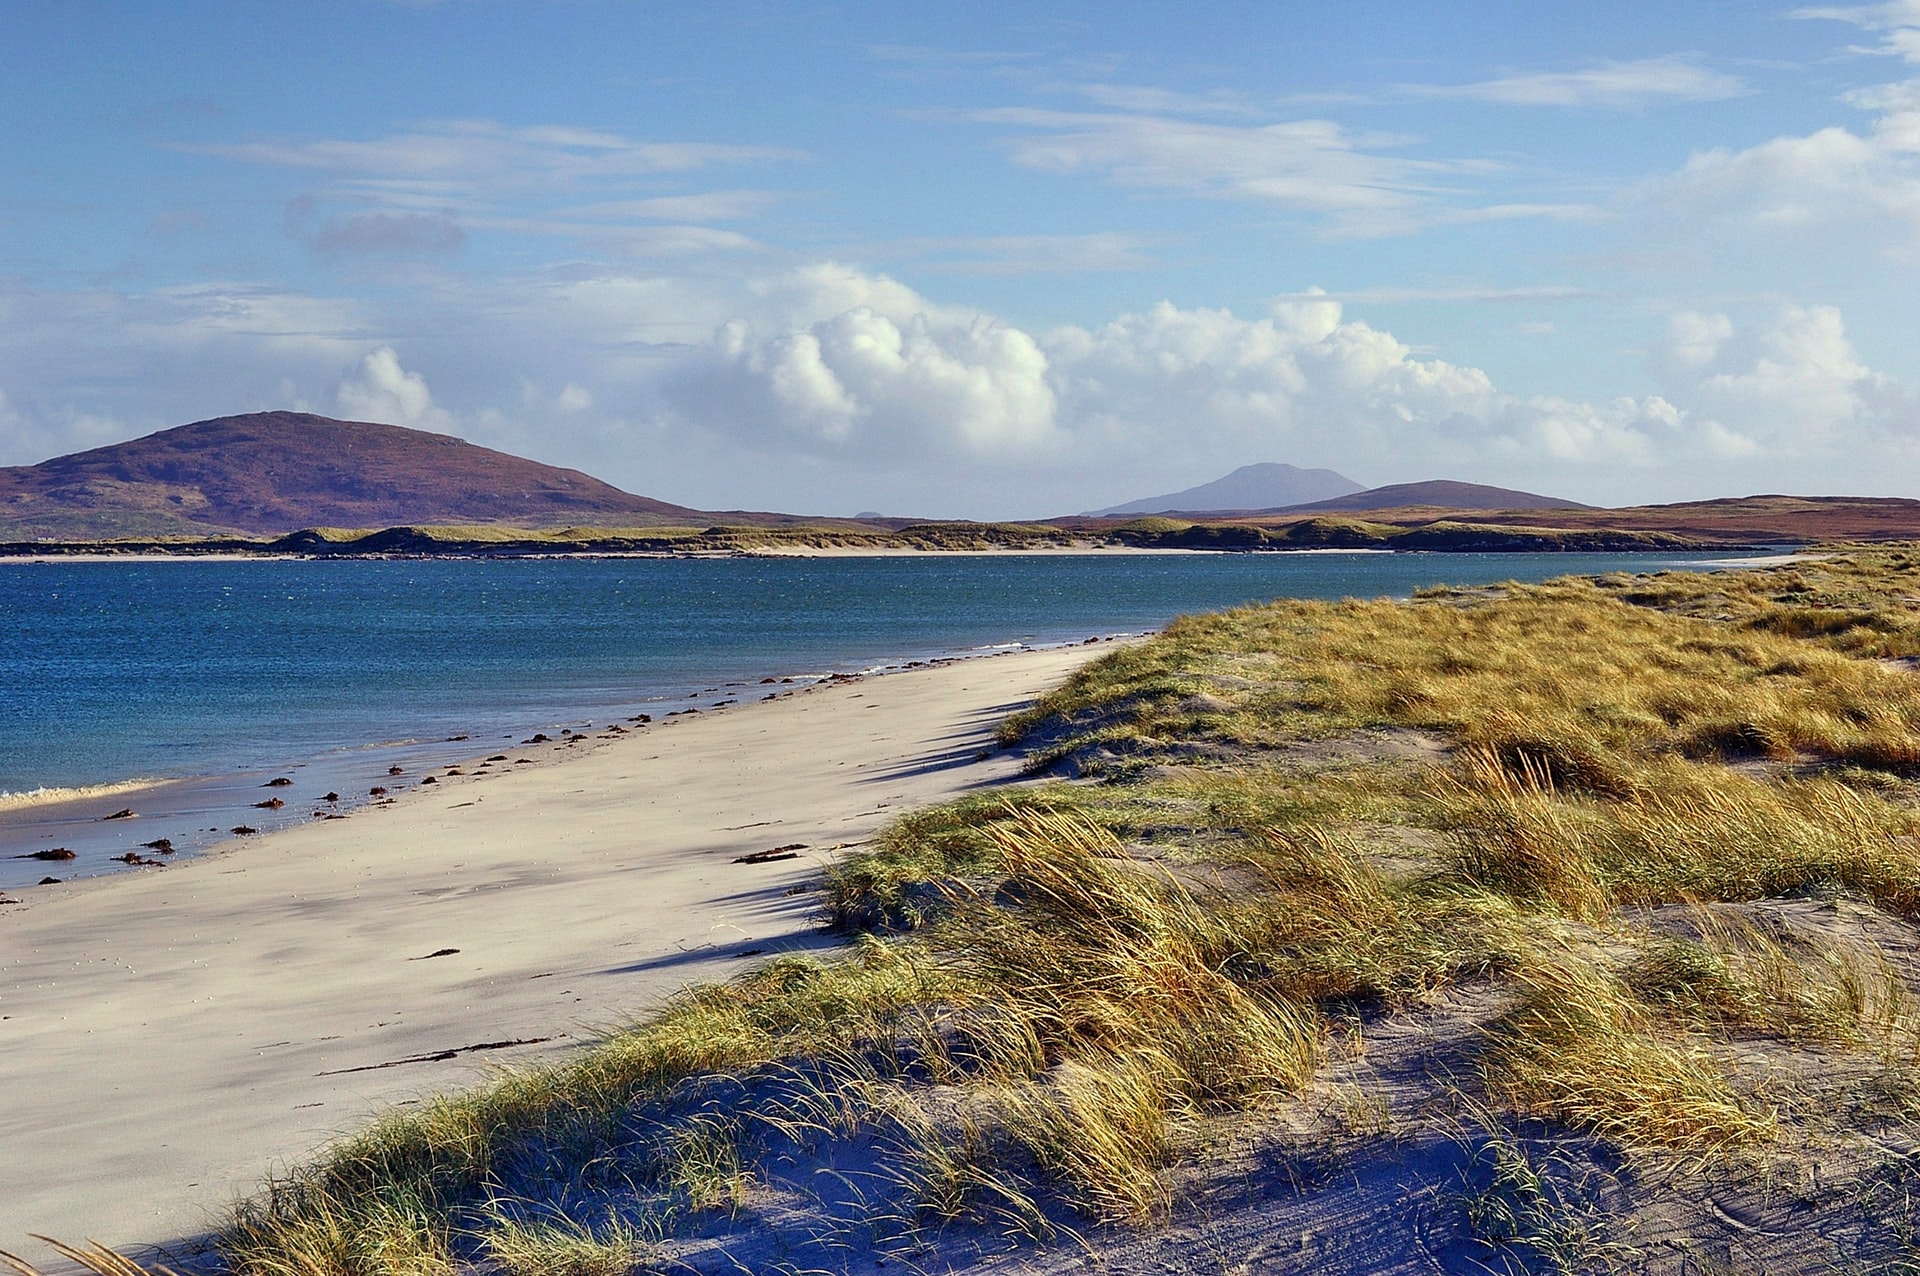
x=1155, y=101
x=1644, y=82
x=926, y=62
x=1521, y=212
x=422, y=191
x=1353, y=182
x=1480, y=293
x=628, y=241
x=1018, y=254
x=707, y=206
x=388, y=234
x=483, y=156
x=1896, y=23
x=1310, y=165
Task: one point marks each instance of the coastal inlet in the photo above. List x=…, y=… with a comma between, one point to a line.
x=217, y=676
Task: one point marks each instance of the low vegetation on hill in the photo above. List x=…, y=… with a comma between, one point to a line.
x=497, y=541
x=1539, y=928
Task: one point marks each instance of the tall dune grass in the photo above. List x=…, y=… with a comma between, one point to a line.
x=1054, y=992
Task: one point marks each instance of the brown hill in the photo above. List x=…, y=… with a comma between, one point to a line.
x=1440, y=494
x=268, y=473
x=1741, y=520
x=1757, y=519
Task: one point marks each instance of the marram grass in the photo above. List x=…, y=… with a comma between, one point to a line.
x=1054, y=993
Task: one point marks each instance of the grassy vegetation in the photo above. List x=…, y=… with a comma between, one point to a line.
x=1592, y=801
x=168, y=534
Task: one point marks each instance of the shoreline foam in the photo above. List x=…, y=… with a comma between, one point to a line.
x=54, y=795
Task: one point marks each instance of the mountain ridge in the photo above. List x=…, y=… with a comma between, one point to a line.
x=1263, y=485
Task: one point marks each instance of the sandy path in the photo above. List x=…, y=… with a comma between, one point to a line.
x=167, y=1036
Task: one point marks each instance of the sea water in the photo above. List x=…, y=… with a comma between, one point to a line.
x=230, y=671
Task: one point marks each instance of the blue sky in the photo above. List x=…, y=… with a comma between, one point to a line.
x=987, y=259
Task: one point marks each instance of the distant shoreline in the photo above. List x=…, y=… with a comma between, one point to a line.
x=1146, y=536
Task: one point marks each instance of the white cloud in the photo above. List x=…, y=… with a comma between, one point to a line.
x=1673, y=78
x=381, y=390
x=1483, y=294
x=1694, y=339
x=893, y=379
x=1787, y=185
x=1794, y=386
x=886, y=377
x=708, y=206
x=1311, y=165
x=1519, y=212
x=829, y=387
x=90, y=366
x=1155, y=101
x=1019, y=254
x=1306, y=380
x=1354, y=183
x=472, y=156
x=1896, y=23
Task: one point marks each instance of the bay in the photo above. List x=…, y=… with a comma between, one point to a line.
x=195, y=669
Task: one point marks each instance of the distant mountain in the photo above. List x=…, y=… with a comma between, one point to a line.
x=1268, y=485
x=268, y=473
x=1438, y=493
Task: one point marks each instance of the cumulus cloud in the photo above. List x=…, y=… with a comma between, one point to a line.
x=831, y=387
x=381, y=390
x=1694, y=339
x=1792, y=386
x=1305, y=379
x=1832, y=198
x=1673, y=78
x=891, y=376
x=1868, y=179
x=887, y=376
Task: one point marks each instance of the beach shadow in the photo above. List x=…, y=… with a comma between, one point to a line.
x=740, y=950
x=973, y=742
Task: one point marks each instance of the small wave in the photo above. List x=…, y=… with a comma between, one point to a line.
x=46, y=796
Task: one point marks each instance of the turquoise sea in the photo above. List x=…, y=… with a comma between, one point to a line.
x=225, y=671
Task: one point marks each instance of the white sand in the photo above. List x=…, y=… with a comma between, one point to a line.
x=168, y=1036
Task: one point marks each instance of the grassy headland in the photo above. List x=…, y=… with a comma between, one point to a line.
x=494, y=541
x=1562, y=927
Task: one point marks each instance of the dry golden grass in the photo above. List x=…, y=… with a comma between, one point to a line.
x=1080, y=979
x=1740, y=974
x=92, y=1257
x=1581, y=1047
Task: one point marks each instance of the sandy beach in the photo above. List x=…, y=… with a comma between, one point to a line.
x=168, y=1037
